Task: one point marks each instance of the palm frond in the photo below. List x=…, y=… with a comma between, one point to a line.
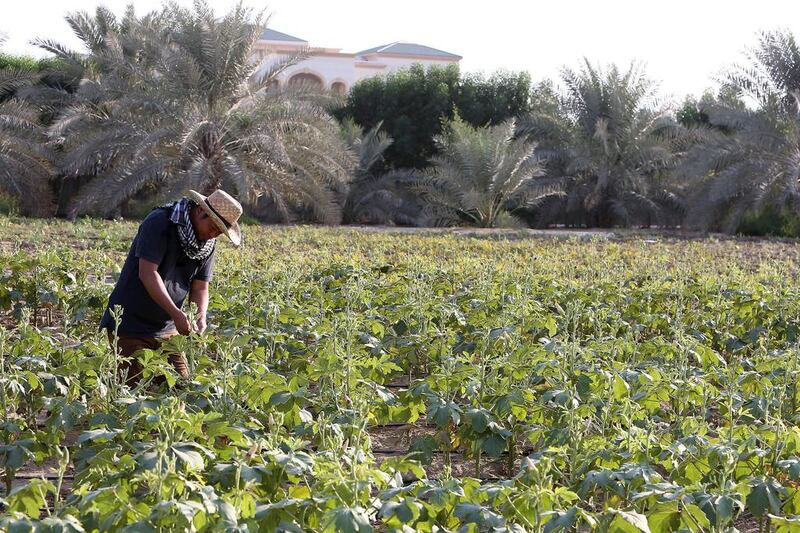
x=25, y=159
x=168, y=101
x=755, y=164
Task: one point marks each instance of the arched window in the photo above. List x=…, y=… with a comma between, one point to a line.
x=307, y=79
x=338, y=87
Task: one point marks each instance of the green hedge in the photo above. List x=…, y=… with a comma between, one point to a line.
x=771, y=222
x=413, y=103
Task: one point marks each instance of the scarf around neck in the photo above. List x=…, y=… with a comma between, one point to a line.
x=179, y=215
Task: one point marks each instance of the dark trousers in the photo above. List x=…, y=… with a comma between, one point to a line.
x=131, y=369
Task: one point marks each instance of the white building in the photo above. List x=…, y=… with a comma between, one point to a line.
x=331, y=68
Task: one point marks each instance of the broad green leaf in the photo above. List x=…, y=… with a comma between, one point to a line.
x=222, y=428
x=14, y=456
x=720, y=508
x=192, y=458
x=281, y=399
x=511, y=404
x=348, y=520
x=628, y=522
x=560, y=520
x=470, y=513
x=403, y=465
x=707, y=357
x=405, y=511
x=478, y=419
x=191, y=454
x=30, y=498
x=765, y=497
x=423, y=449
x=791, y=466
x=494, y=445
x=551, y=325
x=16, y=523
x=443, y=413
x=621, y=388
x=67, y=524
x=664, y=518
x=699, y=521
x=97, y=434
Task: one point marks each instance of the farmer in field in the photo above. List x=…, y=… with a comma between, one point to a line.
x=172, y=256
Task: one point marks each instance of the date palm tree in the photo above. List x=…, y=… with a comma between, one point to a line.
x=607, y=138
x=749, y=157
x=479, y=175
x=376, y=196
x=25, y=160
x=172, y=101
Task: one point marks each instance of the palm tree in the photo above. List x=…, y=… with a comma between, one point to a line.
x=480, y=174
x=25, y=160
x=748, y=158
x=607, y=139
x=171, y=101
x=375, y=196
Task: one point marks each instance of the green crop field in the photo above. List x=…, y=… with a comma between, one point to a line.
x=360, y=381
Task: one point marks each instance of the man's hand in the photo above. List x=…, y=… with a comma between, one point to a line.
x=200, y=325
x=182, y=323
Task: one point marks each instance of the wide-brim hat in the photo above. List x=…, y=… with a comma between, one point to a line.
x=224, y=210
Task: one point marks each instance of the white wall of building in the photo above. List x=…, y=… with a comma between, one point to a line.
x=331, y=66
x=328, y=69
x=394, y=64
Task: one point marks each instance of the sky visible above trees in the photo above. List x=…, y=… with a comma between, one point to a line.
x=683, y=43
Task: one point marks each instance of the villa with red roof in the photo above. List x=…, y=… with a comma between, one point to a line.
x=330, y=68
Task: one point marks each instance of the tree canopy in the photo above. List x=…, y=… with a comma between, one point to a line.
x=413, y=103
x=170, y=101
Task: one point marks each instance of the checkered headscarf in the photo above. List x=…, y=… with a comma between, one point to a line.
x=179, y=215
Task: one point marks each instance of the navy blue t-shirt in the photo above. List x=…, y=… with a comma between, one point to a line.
x=156, y=241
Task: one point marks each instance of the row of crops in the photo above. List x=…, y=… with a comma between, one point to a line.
x=352, y=381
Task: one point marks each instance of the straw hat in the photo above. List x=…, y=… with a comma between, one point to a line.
x=224, y=210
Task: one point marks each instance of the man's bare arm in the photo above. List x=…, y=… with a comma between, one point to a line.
x=151, y=279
